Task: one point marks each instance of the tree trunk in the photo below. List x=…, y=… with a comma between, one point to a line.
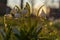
x=3, y=1
x=59, y=4
x=21, y=4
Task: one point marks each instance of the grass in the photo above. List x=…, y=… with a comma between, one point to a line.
x=31, y=28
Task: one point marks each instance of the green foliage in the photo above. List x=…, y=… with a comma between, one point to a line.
x=57, y=25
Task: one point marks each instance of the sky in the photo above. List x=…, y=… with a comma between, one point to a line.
x=12, y=3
